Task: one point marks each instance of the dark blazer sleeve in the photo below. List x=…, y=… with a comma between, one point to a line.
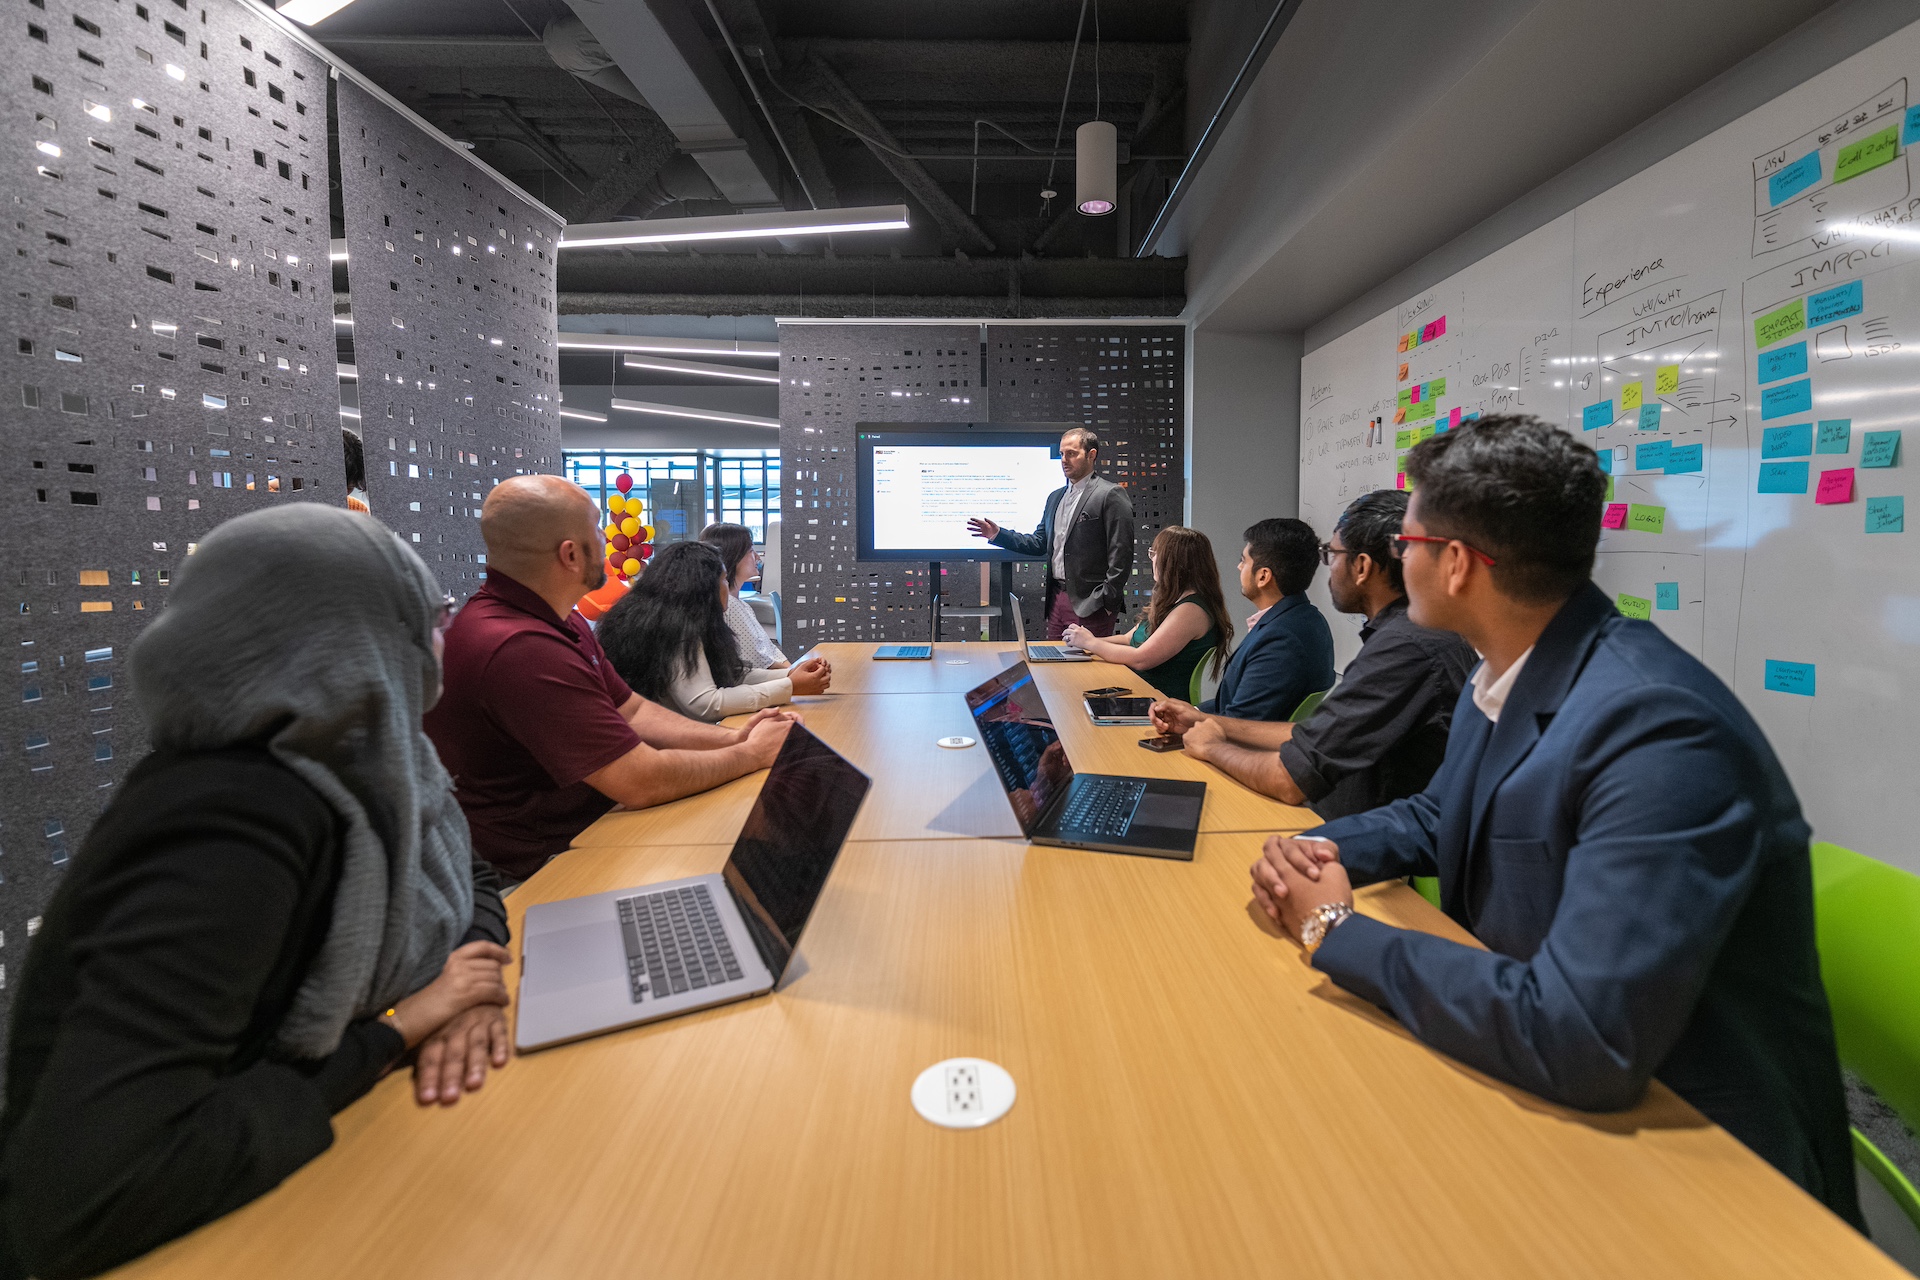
x=137, y=1131
x=1651, y=885
x=1029, y=544
x=1118, y=519
x=1274, y=679
x=489, y=911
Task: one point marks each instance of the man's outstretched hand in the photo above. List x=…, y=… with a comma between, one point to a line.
x=981, y=527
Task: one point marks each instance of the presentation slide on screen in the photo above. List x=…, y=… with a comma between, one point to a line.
x=924, y=494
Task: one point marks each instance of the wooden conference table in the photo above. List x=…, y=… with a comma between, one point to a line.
x=1194, y=1099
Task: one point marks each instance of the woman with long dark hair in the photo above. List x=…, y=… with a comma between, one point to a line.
x=735, y=544
x=1186, y=616
x=668, y=638
x=280, y=902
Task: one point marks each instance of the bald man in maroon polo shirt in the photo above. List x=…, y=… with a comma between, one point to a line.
x=540, y=733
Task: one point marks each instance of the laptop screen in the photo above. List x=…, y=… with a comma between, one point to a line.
x=789, y=843
x=1020, y=739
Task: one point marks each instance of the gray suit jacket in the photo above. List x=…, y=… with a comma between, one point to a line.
x=1099, y=550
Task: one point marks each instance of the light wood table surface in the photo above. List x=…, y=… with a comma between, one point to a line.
x=1194, y=1100
x=954, y=668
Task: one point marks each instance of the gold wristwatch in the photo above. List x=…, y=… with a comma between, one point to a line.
x=1319, y=923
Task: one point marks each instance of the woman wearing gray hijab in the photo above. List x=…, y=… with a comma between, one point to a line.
x=278, y=904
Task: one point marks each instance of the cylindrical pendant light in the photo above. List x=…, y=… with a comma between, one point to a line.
x=1094, y=179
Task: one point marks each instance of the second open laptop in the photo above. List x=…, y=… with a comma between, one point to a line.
x=612, y=960
x=1159, y=817
x=898, y=652
x=1040, y=652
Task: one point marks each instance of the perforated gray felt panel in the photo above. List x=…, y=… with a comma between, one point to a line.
x=1127, y=382
x=166, y=316
x=452, y=296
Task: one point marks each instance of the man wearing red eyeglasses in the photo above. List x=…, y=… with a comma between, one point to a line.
x=1608, y=820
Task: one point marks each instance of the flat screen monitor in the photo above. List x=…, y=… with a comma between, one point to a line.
x=919, y=483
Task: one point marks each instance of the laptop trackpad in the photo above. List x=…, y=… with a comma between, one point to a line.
x=1157, y=809
x=562, y=959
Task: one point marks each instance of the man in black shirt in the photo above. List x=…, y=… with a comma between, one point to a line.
x=1382, y=732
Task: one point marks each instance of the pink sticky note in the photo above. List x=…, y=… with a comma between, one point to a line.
x=1453, y=418
x=1835, y=486
x=1414, y=395
x=1440, y=327
x=1400, y=480
x=1615, y=517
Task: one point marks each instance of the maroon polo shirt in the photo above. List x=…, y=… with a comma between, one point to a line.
x=531, y=706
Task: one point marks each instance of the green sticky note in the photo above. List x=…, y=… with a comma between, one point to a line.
x=1879, y=448
x=1438, y=387
x=1782, y=322
x=1403, y=439
x=1666, y=380
x=1887, y=515
x=1422, y=410
x=1609, y=488
x=1630, y=396
x=1634, y=606
x=1870, y=152
x=1646, y=519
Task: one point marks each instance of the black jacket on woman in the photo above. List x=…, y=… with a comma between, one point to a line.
x=143, y=1097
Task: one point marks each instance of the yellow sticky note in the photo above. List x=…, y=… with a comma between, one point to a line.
x=1666, y=380
x=1630, y=396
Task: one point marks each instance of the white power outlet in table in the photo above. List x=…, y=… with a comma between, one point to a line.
x=963, y=1093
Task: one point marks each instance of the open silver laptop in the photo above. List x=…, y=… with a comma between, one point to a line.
x=616, y=959
x=1041, y=652
x=897, y=652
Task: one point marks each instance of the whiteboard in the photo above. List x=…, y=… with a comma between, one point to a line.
x=1727, y=326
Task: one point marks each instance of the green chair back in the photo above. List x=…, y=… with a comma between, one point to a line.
x=1199, y=674
x=1308, y=705
x=1427, y=887
x=1867, y=922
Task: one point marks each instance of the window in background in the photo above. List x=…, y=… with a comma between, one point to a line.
x=742, y=486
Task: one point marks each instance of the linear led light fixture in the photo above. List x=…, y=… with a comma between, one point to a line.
x=705, y=415
x=736, y=226
x=660, y=364
x=583, y=415
x=308, y=12
x=349, y=373
x=336, y=251
x=620, y=342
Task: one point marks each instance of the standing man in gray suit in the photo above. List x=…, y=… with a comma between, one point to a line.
x=1087, y=537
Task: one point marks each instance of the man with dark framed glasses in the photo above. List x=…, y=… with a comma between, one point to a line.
x=1382, y=731
x=1609, y=821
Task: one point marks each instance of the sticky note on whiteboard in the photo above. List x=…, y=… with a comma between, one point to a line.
x=1782, y=362
x=1666, y=595
x=1615, y=516
x=1836, y=436
x=1634, y=606
x=1652, y=456
x=1780, y=323
x=1650, y=416
x=1595, y=416
x=1787, y=398
x=1869, y=153
x=1790, y=180
x=1666, y=380
x=1795, y=441
x=1646, y=519
x=1790, y=677
x=1685, y=458
x=1879, y=448
x=1911, y=134
x=1836, y=303
x=1630, y=396
x=1835, y=486
x=1887, y=515
x=1783, y=477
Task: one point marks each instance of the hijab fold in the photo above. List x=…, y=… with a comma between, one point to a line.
x=311, y=628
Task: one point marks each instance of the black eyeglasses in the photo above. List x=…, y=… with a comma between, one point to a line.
x=1328, y=551
x=1400, y=541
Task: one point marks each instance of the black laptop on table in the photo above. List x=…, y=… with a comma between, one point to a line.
x=1157, y=817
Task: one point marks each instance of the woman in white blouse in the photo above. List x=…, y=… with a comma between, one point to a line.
x=735, y=544
x=668, y=638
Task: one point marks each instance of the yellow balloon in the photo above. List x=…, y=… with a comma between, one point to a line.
x=629, y=526
x=616, y=503
x=631, y=567
x=613, y=529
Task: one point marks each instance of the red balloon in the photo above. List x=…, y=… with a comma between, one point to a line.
x=646, y=551
x=623, y=482
x=621, y=541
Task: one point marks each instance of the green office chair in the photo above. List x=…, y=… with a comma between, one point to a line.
x=1427, y=887
x=1865, y=918
x=1199, y=674
x=1309, y=705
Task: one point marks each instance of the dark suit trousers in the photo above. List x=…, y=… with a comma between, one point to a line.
x=1060, y=616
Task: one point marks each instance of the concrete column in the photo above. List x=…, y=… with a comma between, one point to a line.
x=1243, y=424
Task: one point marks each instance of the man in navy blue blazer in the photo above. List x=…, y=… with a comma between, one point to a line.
x=1288, y=652
x=1608, y=820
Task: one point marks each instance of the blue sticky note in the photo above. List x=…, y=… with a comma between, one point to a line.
x=1788, y=397
x=1650, y=416
x=1685, y=458
x=1788, y=182
x=1911, y=134
x=1605, y=458
x=1795, y=441
x=1836, y=303
x=1651, y=456
x=1887, y=515
x=1790, y=677
x=1836, y=436
x=1783, y=477
x=1596, y=416
x=1666, y=595
x=1783, y=362
x=1879, y=448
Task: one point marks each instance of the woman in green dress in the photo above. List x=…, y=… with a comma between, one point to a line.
x=1186, y=617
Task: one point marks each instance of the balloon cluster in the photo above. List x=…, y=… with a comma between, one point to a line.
x=629, y=541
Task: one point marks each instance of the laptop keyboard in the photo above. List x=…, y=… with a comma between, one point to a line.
x=1102, y=807
x=675, y=942
x=912, y=651
x=1049, y=653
